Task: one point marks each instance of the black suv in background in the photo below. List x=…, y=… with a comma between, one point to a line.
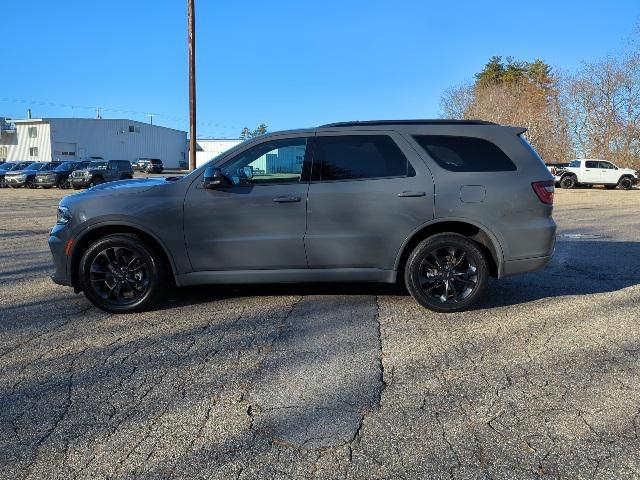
x=148, y=165
x=100, y=172
x=60, y=175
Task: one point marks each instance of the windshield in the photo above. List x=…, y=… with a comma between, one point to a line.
x=98, y=165
x=6, y=166
x=49, y=166
x=64, y=167
x=21, y=166
x=575, y=164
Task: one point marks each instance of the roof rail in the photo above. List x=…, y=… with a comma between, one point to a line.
x=358, y=123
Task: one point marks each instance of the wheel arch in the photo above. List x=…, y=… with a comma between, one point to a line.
x=103, y=229
x=479, y=233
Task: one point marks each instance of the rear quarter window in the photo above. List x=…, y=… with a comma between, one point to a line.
x=465, y=154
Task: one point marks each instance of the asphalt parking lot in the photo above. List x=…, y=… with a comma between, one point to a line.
x=542, y=380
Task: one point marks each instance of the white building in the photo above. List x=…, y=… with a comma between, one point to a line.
x=45, y=139
x=207, y=148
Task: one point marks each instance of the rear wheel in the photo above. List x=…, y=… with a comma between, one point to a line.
x=446, y=273
x=568, y=181
x=121, y=274
x=625, y=183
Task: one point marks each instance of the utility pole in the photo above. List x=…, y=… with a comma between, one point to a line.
x=191, y=20
x=151, y=115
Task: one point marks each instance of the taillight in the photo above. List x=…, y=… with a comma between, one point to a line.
x=544, y=190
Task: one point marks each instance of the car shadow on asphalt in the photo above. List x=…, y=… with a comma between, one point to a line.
x=580, y=267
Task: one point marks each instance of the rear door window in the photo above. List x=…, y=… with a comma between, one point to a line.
x=591, y=164
x=357, y=157
x=465, y=154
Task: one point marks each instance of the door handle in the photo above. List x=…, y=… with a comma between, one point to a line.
x=409, y=193
x=286, y=199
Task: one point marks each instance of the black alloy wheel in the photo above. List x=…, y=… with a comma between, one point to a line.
x=121, y=274
x=31, y=183
x=96, y=181
x=447, y=272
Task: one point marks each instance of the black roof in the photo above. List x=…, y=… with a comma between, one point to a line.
x=368, y=123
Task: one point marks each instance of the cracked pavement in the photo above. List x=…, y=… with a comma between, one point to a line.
x=541, y=380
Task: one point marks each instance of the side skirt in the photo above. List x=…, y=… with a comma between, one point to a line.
x=302, y=275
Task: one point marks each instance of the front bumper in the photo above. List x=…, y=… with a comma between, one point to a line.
x=58, y=240
x=45, y=182
x=80, y=182
x=15, y=182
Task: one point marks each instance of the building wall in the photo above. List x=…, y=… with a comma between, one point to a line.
x=210, y=148
x=114, y=140
x=19, y=144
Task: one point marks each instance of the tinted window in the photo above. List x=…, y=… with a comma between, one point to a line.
x=591, y=164
x=607, y=165
x=352, y=157
x=276, y=161
x=65, y=167
x=465, y=154
x=124, y=165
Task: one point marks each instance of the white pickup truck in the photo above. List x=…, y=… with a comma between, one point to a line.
x=589, y=172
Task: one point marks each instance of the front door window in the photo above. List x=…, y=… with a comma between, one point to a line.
x=272, y=162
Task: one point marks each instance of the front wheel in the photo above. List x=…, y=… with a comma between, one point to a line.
x=96, y=181
x=31, y=183
x=121, y=274
x=568, y=182
x=446, y=273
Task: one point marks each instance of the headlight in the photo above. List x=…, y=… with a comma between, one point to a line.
x=64, y=215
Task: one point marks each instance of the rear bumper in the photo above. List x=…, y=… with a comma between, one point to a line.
x=525, y=265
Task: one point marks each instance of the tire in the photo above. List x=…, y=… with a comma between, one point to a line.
x=446, y=273
x=568, y=181
x=96, y=181
x=75, y=188
x=125, y=291
x=625, y=183
x=31, y=183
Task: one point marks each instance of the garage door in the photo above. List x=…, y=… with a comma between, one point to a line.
x=64, y=151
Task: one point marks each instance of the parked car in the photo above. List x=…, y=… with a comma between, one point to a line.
x=26, y=176
x=148, y=165
x=60, y=175
x=437, y=204
x=4, y=168
x=101, y=171
x=589, y=172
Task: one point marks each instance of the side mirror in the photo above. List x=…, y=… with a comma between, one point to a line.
x=213, y=178
x=247, y=172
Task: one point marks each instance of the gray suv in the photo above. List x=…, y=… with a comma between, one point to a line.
x=440, y=205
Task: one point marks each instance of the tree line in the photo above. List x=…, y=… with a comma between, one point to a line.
x=591, y=113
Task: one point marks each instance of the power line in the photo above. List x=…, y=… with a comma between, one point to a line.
x=113, y=109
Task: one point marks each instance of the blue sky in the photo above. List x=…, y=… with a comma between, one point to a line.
x=286, y=63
